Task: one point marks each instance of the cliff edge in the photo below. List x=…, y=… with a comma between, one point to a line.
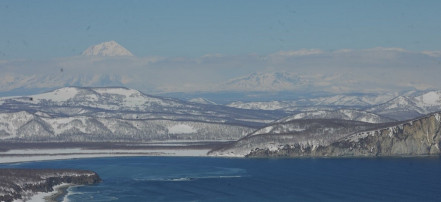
x=417, y=137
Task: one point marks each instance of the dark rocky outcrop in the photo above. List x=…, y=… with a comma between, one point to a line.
x=21, y=183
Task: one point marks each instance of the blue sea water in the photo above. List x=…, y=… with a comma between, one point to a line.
x=223, y=179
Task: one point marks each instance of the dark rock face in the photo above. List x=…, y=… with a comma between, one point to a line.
x=415, y=138
x=18, y=183
x=419, y=137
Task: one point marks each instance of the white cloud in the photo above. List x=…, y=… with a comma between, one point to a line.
x=343, y=51
x=391, y=49
x=432, y=53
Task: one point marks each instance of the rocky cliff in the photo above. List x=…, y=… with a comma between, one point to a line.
x=410, y=138
x=21, y=183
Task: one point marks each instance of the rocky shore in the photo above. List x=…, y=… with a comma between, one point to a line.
x=24, y=183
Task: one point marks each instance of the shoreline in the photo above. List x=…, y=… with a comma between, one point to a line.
x=30, y=155
x=42, y=184
x=60, y=192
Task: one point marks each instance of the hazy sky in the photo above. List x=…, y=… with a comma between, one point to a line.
x=48, y=29
x=188, y=46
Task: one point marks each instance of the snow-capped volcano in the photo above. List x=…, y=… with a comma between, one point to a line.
x=110, y=48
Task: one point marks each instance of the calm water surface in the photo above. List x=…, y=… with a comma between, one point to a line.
x=222, y=179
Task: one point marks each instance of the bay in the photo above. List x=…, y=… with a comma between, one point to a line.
x=226, y=179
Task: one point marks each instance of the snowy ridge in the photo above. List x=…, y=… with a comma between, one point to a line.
x=110, y=48
x=341, y=138
x=202, y=101
x=406, y=106
x=22, y=126
x=302, y=134
x=410, y=106
x=59, y=95
x=352, y=101
x=105, y=98
x=344, y=114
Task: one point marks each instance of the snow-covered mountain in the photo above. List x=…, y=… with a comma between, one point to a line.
x=110, y=48
x=277, y=81
x=120, y=114
x=343, y=114
x=411, y=106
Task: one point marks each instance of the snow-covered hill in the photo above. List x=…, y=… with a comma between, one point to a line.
x=24, y=126
x=202, y=101
x=343, y=114
x=110, y=48
x=121, y=99
x=120, y=114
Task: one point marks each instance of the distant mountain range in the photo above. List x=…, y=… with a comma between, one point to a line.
x=402, y=107
x=406, y=107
